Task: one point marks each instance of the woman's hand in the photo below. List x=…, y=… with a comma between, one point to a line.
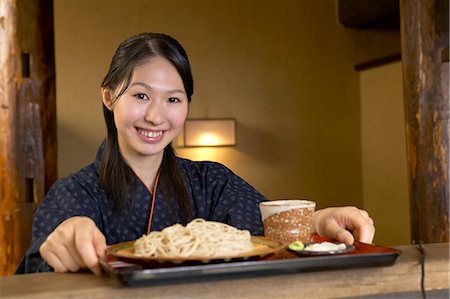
x=75, y=244
x=344, y=224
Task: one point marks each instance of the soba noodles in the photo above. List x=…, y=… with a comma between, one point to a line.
x=198, y=238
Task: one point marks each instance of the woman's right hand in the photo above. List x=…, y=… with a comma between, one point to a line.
x=75, y=244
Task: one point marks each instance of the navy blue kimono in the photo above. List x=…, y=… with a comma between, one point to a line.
x=217, y=194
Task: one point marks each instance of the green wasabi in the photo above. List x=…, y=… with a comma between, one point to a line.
x=296, y=246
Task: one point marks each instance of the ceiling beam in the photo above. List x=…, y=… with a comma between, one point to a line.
x=369, y=14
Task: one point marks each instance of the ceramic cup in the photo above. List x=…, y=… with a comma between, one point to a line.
x=288, y=220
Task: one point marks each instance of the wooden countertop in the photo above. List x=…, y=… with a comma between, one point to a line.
x=375, y=282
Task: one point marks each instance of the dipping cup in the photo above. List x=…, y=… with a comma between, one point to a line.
x=288, y=220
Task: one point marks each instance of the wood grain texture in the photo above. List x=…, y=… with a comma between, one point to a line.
x=27, y=121
x=402, y=277
x=425, y=78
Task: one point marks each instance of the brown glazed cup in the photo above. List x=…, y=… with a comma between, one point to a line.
x=288, y=220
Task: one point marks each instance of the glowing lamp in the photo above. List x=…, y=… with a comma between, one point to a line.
x=210, y=132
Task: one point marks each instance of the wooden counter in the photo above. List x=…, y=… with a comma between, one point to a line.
x=401, y=280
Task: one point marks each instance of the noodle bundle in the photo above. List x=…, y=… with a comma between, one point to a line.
x=198, y=238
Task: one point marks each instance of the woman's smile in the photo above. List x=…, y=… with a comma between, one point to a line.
x=151, y=136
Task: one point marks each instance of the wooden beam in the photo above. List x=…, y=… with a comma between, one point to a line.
x=27, y=120
x=364, y=14
x=424, y=34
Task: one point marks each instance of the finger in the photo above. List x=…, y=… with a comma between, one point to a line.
x=343, y=235
x=100, y=249
x=63, y=243
x=366, y=217
x=76, y=256
x=364, y=230
x=54, y=262
x=355, y=219
x=86, y=246
x=100, y=244
x=334, y=231
x=365, y=234
x=364, y=213
x=57, y=256
x=67, y=259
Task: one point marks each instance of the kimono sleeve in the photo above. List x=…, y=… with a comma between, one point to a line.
x=66, y=198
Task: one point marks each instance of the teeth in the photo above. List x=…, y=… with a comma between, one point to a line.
x=150, y=134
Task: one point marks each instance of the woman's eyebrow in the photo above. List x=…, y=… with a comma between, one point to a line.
x=146, y=86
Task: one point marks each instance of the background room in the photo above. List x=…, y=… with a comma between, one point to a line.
x=308, y=124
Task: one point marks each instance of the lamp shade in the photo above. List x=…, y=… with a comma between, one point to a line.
x=210, y=132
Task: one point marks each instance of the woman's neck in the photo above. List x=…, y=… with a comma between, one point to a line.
x=145, y=167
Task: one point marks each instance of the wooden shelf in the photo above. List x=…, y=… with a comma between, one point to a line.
x=378, y=62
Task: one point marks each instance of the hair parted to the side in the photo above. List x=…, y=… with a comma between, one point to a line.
x=116, y=176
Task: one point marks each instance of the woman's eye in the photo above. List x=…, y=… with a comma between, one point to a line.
x=174, y=100
x=141, y=96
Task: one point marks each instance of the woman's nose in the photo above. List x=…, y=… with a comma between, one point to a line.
x=154, y=113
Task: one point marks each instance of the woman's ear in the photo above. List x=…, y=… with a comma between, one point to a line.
x=107, y=98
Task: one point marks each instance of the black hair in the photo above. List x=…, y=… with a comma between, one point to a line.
x=115, y=175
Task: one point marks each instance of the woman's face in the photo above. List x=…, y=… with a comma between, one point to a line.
x=152, y=111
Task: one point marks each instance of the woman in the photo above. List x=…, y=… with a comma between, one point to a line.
x=137, y=184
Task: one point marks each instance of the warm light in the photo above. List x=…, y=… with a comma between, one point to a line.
x=209, y=139
x=210, y=132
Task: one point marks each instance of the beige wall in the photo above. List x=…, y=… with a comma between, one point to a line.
x=385, y=182
x=283, y=69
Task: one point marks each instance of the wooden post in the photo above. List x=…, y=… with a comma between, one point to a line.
x=27, y=120
x=425, y=36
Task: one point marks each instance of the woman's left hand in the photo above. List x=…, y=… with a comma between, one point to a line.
x=344, y=224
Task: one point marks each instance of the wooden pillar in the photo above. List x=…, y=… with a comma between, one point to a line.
x=425, y=40
x=27, y=120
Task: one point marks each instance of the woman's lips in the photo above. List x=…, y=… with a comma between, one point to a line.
x=150, y=135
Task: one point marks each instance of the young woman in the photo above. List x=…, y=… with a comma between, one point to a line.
x=137, y=184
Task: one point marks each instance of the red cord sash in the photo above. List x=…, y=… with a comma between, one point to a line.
x=152, y=206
